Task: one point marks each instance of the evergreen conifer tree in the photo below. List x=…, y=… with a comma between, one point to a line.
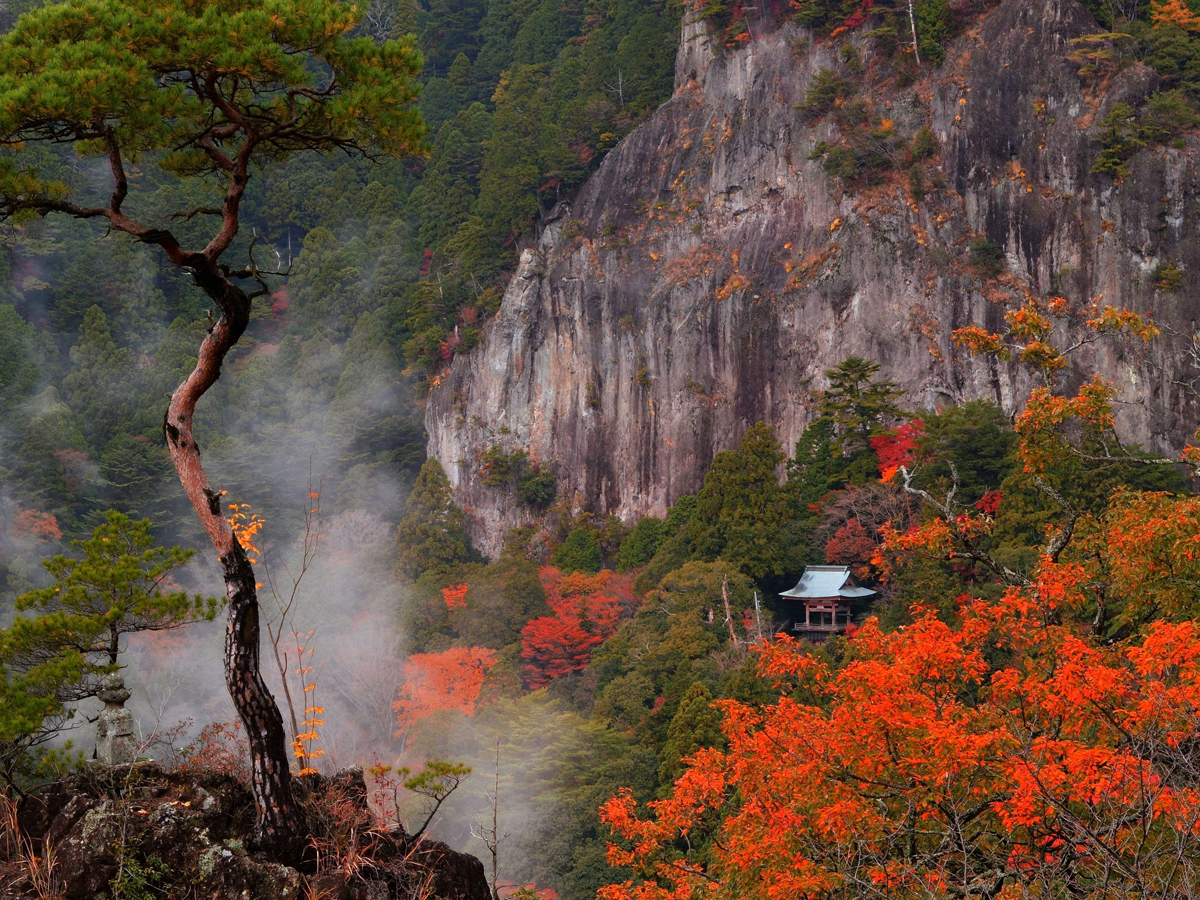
x=858, y=404
x=742, y=509
x=697, y=724
x=116, y=589
x=431, y=534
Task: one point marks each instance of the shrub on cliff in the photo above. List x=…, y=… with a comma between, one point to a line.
x=532, y=483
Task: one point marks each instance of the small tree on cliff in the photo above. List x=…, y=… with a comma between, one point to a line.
x=858, y=403
x=431, y=534
x=116, y=589
x=211, y=91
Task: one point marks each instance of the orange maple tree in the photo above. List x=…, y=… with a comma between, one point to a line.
x=41, y=525
x=587, y=611
x=1007, y=757
x=455, y=596
x=433, y=682
x=1174, y=12
x=1054, y=429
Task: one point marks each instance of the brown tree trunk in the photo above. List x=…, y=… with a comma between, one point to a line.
x=280, y=825
x=280, y=828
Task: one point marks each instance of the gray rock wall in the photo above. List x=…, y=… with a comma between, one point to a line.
x=710, y=272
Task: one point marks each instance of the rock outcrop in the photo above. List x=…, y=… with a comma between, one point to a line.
x=137, y=831
x=710, y=271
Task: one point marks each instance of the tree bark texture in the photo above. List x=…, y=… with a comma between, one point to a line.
x=280, y=825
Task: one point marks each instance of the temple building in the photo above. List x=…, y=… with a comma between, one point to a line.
x=821, y=604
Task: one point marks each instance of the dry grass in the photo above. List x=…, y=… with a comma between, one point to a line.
x=37, y=872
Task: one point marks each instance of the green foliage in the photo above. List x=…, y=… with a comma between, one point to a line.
x=18, y=370
x=976, y=439
x=1167, y=115
x=1119, y=140
x=814, y=469
x=533, y=484
x=641, y=544
x=869, y=147
x=667, y=646
x=431, y=534
x=99, y=383
x=697, y=724
x=986, y=258
x=936, y=24
x=826, y=90
x=53, y=657
x=42, y=677
x=580, y=552
x=137, y=876
x=116, y=588
x=522, y=110
x=742, y=511
x=924, y=145
x=1125, y=130
x=858, y=404
x=1168, y=277
x=127, y=64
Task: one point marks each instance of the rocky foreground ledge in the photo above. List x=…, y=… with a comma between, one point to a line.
x=140, y=831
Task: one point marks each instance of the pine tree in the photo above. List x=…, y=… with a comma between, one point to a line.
x=742, y=509
x=18, y=371
x=431, y=534
x=696, y=725
x=101, y=379
x=858, y=404
x=212, y=92
x=115, y=589
x=580, y=552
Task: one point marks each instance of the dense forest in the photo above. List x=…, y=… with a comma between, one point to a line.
x=607, y=706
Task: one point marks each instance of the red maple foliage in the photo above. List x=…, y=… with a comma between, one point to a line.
x=989, y=503
x=37, y=524
x=450, y=680
x=856, y=18
x=588, y=609
x=895, y=448
x=455, y=596
x=852, y=546
x=1004, y=757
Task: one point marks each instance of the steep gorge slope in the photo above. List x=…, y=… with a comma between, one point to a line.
x=710, y=271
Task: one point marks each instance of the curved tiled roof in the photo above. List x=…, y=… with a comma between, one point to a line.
x=827, y=581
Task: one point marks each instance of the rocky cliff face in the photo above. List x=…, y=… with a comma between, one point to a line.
x=710, y=271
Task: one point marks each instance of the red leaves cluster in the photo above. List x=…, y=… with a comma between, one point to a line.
x=587, y=611
x=858, y=17
x=895, y=448
x=40, y=525
x=989, y=503
x=1006, y=751
x=450, y=680
x=852, y=546
x=455, y=596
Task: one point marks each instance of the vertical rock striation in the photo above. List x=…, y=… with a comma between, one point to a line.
x=709, y=272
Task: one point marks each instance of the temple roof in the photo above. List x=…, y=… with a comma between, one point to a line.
x=824, y=582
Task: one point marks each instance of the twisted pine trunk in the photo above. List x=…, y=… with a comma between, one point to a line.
x=280, y=827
